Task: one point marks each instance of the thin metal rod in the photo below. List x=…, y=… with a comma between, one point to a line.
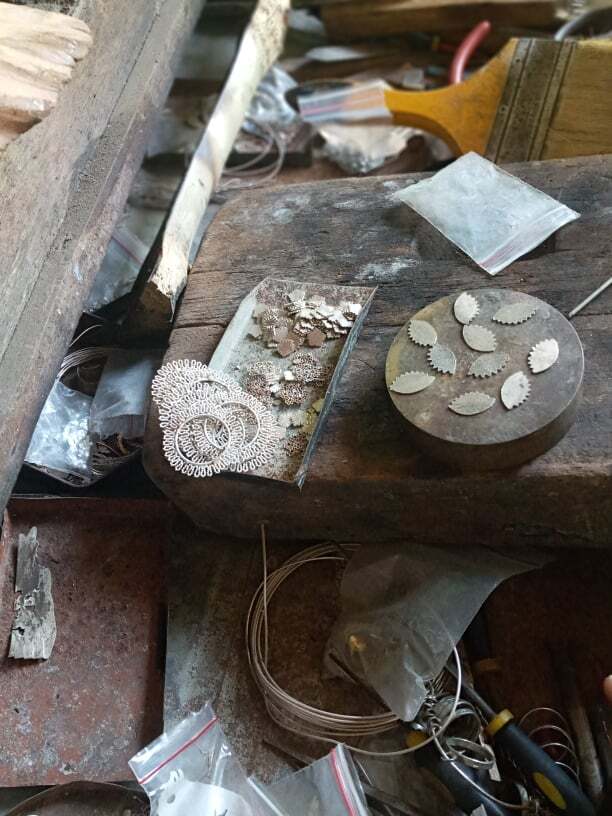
x=590, y=298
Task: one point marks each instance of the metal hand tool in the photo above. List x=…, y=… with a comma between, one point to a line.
x=556, y=786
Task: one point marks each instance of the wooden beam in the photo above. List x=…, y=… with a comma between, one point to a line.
x=379, y=18
x=63, y=185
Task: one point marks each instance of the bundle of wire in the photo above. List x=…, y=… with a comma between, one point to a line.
x=300, y=717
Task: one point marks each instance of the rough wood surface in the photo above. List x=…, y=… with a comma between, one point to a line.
x=38, y=50
x=62, y=186
x=366, y=479
x=352, y=20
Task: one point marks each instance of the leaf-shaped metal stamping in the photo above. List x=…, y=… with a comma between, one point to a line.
x=543, y=355
x=422, y=333
x=514, y=313
x=411, y=382
x=471, y=403
x=515, y=390
x=442, y=359
x=479, y=338
x=488, y=364
x=466, y=308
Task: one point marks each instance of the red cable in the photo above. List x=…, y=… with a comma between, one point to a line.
x=465, y=51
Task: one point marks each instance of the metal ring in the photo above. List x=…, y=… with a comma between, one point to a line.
x=473, y=754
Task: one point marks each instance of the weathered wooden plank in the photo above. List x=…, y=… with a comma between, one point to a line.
x=365, y=478
x=353, y=20
x=63, y=185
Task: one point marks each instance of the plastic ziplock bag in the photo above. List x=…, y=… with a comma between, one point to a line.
x=124, y=257
x=404, y=607
x=61, y=439
x=491, y=215
x=192, y=770
x=269, y=106
x=360, y=148
x=121, y=401
x=328, y=787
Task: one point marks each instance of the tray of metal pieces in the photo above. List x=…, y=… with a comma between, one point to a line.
x=287, y=345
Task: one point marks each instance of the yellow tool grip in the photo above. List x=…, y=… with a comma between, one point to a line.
x=498, y=722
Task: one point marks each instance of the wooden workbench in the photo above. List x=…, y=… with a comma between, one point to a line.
x=365, y=479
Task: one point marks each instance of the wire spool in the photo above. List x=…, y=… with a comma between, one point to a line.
x=295, y=715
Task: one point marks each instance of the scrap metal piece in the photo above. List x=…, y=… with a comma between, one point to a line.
x=479, y=338
x=101, y=798
x=466, y=308
x=488, y=364
x=411, y=382
x=422, y=333
x=34, y=631
x=442, y=359
x=543, y=355
x=514, y=313
x=472, y=403
x=515, y=390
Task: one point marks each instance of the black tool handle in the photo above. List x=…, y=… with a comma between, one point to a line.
x=464, y=794
x=558, y=788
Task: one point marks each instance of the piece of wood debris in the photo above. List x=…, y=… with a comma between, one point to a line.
x=33, y=631
x=38, y=50
x=260, y=46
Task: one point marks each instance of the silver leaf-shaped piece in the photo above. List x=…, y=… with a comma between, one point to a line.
x=543, y=355
x=488, y=364
x=514, y=313
x=442, y=359
x=479, y=338
x=422, y=333
x=474, y=402
x=411, y=382
x=466, y=308
x=515, y=390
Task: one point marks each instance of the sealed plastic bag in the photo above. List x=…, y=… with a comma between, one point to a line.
x=121, y=401
x=404, y=607
x=61, y=439
x=328, y=787
x=491, y=215
x=192, y=770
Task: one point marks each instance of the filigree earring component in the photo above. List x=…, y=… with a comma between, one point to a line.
x=210, y=424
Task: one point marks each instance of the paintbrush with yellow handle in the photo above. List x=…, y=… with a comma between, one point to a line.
x=537, y=99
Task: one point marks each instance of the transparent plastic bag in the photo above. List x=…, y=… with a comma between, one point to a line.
x=361, y=148
x=491, y=215
x=404, y=607
x=193, y=770
x=328, y=787
x=269, y=106
x=61, y=439
x=124, y=257
x=121, y=401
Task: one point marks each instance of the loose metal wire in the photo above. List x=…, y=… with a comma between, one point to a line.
x=295, y=715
